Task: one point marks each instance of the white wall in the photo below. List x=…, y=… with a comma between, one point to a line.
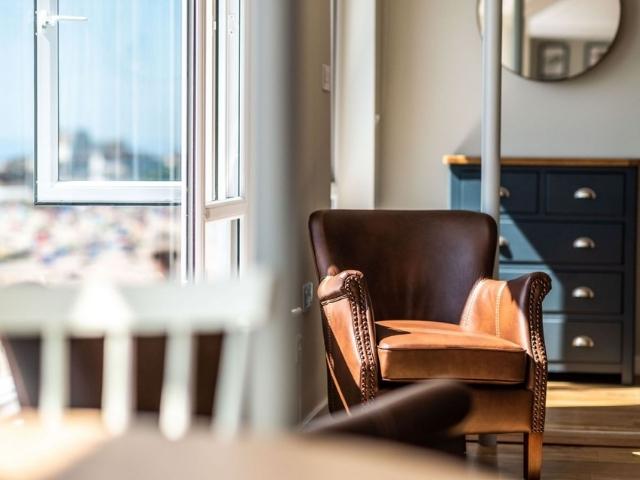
x=431, y=73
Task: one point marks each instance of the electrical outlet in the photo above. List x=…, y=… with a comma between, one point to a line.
x=307, y=296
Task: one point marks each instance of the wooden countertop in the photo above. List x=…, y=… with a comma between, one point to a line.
x=546, y=162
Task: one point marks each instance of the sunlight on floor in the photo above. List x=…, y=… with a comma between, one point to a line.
x=567, y=395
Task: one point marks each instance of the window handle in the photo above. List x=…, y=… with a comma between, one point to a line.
x=46, y=20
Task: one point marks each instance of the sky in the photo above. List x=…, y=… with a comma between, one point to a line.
x=119, y=74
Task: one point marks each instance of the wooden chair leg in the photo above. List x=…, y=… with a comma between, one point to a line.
x=532, y=455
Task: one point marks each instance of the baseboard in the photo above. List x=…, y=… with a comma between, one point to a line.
x=320, y=409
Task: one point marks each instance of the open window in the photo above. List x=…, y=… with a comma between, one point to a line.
x=226, y=172
x=108, y=101
x=113, y=81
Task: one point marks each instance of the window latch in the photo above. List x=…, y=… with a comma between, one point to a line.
x=45, y=20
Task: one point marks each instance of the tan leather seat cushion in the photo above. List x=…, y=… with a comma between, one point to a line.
x=420, y=350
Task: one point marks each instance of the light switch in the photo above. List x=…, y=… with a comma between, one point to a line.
x=326, y=77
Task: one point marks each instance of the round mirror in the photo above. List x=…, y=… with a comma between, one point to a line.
x=555, y=39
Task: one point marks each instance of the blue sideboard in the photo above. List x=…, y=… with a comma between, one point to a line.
x=576, y=222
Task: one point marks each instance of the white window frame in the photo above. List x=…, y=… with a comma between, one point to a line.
x=205, y=154
x=48, y=188
x=224, y=143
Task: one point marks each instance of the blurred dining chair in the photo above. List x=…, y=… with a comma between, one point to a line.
x=118, y=313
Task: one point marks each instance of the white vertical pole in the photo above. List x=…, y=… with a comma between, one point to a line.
x=491, y=104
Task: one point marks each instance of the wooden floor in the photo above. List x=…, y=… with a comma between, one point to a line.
x=592, y=432
x=561, y=462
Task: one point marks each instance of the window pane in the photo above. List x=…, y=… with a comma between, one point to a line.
x=228, y=78
x=222, y=248
x=119, y=90
x=233, y=101
x=16, y=100
x=60, y=244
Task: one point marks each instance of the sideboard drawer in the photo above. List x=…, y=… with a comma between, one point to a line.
x=582, y=243
x=575, y=221
x=583, y=342
x=575, y=293
x=518, y=192
x=585, y=193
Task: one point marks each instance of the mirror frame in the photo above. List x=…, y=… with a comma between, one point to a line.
x=614, y=40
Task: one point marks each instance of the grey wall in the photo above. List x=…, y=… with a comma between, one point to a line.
x=313, y=177
x=431, y=98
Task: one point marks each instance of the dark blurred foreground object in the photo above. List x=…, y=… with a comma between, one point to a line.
x=82, y=450
x=408, y=296
x=422, y=415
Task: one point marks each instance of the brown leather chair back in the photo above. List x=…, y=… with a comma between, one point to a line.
x=417, y=264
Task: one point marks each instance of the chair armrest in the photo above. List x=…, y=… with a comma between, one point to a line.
x=423, y=414
x=509, y=309
x=513, y=310
x=349, y=330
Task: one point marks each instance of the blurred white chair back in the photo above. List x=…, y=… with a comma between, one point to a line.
x=118, y=313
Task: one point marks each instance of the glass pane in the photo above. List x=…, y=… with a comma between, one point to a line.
x=233, y=101
x=228, y=80
x=222, y=248
x=119, y=90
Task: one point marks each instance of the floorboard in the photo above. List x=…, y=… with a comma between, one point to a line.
x=592, y=432
x=560, y=462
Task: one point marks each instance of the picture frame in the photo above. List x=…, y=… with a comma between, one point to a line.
x=553, y=60
x=594, y=52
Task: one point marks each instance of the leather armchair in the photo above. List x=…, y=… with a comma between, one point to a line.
x=407, y=296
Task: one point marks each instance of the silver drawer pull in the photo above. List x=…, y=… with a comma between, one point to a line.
x=584, y=242
x=504, y=192
x=503, y=242
x=583, y=292
x=583, y=341
x=584, y=193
